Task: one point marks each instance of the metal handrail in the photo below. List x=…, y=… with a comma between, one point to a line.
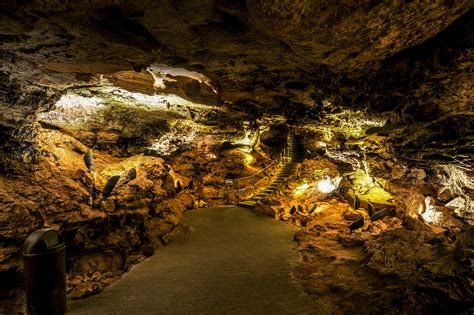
x=285, y=157
x=250, y=176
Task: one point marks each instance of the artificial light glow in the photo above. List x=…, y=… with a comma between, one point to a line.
x=301, y=189
x=249, y=139
x=368, y=188
x=74, y=110
x=163, y=101
x=328, y=185
x=351, y=124
x=87, y=108
x=211, y=156
x=431, y=215
x=245, y=141
x=124, y=166
x=181, y=135
x=327, y=134
x=167, y=143
x=363, y=180
x=71, y=100
x=248, y=159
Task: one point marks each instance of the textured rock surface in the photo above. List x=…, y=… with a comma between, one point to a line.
x=400, y=270
x=257, y=57
x=417, y=259
x=170, y=95
x=351, y=36
x=104, y=236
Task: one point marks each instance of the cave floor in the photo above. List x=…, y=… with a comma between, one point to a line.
x=233, y=262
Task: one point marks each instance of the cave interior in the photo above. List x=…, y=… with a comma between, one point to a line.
x=351, y=122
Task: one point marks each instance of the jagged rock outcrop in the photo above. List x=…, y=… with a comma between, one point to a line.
x=388, y=267
x=104, y=234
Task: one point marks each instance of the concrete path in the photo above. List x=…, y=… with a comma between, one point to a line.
x=234, y=262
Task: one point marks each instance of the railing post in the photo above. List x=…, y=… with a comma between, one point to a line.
x=254, y=182
x=227, y=194
x=238, y=190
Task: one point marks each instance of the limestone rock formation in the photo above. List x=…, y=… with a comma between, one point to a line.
x=104, y=234
x=175, y=97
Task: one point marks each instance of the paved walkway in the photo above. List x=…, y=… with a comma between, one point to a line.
x=234, y=262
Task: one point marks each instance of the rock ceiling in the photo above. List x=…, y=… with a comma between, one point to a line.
x=411, y=61
x=231, y=41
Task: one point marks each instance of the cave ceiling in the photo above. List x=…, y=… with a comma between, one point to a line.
x=231, y=41
x=245, y=58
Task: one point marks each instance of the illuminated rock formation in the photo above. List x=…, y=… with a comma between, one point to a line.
x=175, y=97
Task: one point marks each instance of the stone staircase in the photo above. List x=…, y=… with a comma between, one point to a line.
x=297, y=151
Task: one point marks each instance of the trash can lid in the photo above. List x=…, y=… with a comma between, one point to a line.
x=42, y=241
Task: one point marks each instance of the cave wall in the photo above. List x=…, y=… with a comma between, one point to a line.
x=104, y=234
x=271, y=63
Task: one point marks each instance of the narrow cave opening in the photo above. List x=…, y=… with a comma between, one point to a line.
x=183, y=152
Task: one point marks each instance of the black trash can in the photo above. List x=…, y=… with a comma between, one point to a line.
x=45, y=272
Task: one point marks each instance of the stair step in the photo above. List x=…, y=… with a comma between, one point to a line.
x=247, y=204
x=297, y=154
